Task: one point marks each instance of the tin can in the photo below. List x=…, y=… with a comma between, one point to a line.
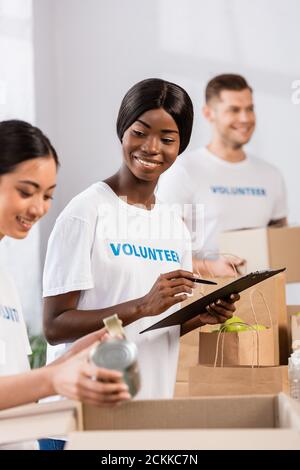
x=121, y=355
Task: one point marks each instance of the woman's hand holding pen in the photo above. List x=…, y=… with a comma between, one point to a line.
x=169, y=289
x=172, y=288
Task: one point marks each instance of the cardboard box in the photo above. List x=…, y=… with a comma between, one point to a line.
x=295, y=328
x=29, y=422
x=181, y=390
x=293, y=325
x=245, y=422
x=206, y=380
x=208, y=439
x=265, y=248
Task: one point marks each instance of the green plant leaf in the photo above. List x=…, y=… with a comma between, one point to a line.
x=39, y=347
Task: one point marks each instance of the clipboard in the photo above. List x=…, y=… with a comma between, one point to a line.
x=198, y=307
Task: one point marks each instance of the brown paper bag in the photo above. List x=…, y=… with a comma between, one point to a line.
x=246, y=348
x=243, y=348
x=212, y=381
x=273, y=290
x=188, y=354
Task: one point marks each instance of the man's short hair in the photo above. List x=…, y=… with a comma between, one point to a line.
x=226, y=81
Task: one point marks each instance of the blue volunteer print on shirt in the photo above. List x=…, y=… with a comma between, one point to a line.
x=9, y=313
x=238, y=191
x=145, y=252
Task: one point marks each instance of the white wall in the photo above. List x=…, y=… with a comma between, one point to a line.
x=20, y=257
x=89, y=52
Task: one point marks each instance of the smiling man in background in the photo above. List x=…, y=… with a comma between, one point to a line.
x=236, y=190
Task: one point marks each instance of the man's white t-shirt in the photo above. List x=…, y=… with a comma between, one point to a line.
x=114, y=252
x=221, y=195
x=14, y=343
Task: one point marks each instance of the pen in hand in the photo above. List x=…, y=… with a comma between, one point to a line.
x=201, y=281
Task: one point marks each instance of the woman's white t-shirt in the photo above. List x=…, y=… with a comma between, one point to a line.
x=113, y=252
x=14, y=343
